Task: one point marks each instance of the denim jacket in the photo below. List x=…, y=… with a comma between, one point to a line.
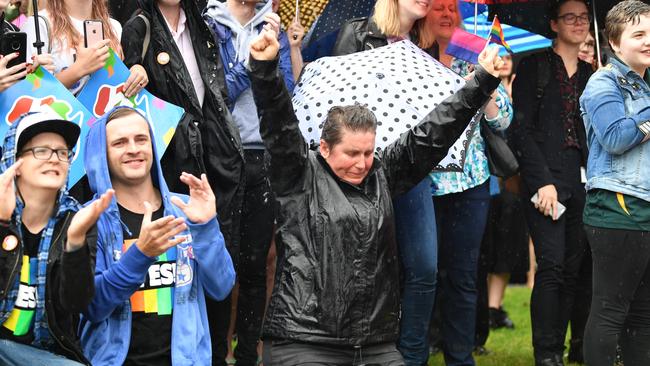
x=616, y=112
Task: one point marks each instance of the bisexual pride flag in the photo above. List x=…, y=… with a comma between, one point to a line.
x=105, y=90
x=465, y=46
x=41, y=90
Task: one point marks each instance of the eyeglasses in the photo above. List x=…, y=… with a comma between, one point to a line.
x=45, y=153
x=572, y=19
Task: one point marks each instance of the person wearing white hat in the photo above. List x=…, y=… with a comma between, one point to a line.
x=48, y=244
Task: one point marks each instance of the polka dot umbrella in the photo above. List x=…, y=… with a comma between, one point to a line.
x=400, y=83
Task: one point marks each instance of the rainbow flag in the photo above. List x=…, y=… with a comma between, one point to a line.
x=496, y=35
x=465, y=46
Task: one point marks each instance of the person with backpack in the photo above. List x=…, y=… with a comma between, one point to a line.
x=173, y=43
x=548, y=138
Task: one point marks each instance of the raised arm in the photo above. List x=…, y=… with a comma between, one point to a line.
x=409, y=159
x=278, y=123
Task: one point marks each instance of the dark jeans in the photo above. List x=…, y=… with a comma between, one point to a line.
x=416, y=237
x=620, y=307
x=256, y=233
x=461, y=219
x=560, y=247
x=286, y=353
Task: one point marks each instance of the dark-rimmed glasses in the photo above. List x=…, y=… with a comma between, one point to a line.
x=45, y=153
x=572, y=19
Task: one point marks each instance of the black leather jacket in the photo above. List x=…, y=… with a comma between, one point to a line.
x=69, y=283
x=337, y=276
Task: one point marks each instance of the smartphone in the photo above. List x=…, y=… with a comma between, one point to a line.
x=560, y=207
x=93, y=32
x=12, y=42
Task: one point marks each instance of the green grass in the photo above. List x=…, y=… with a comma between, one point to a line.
x=508, y=347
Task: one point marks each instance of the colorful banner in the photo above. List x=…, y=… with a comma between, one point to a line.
x=41, y=90
x=105, y=90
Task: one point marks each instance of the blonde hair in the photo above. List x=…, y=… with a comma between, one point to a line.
x=62, y=28
x=387, y=18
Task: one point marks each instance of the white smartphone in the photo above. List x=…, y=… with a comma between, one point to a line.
x=560, y=207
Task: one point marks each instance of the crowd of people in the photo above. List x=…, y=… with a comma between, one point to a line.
x=339, y=254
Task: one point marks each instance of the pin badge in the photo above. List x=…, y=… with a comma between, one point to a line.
x=163, y=58
x=9, y=243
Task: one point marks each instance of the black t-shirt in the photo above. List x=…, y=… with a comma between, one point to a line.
x=151, y=305
x=19, y=327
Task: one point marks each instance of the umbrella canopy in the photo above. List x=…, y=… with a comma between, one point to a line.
x=338, y=12
x=520, y=40
x=400, y=83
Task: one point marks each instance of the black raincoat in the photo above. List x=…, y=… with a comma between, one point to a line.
x=337, y=276
x=217, y=139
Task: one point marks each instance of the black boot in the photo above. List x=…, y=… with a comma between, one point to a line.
x=575, y=352
x=499, y=319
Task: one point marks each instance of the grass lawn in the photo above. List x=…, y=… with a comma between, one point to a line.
x=509, y=347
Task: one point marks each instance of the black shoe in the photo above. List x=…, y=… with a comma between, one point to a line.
x=552, y=361
x=481, y=351
x=499, y=319
x=575, y=352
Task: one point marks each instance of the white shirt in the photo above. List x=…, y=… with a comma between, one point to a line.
x=184, y=43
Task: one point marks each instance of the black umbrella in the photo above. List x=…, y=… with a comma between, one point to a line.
x=338, y=12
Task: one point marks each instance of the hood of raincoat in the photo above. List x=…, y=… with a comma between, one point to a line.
x=242, y=34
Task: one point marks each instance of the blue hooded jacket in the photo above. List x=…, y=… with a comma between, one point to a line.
x=106, y=324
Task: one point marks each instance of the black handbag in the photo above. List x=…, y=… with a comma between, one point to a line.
x=501, y=160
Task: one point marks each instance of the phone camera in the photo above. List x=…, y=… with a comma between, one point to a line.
x=94, y=31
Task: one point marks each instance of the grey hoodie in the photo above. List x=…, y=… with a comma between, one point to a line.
x=245, y=110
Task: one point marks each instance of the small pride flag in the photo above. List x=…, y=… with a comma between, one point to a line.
x=496, y=35
x=465, y=46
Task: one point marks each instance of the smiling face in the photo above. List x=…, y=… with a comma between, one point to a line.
x=634, y=45
x=129, y=150
x=444, y=18
x=413, y=9
x=352, y=157
x=49, y=174
x=571, y=34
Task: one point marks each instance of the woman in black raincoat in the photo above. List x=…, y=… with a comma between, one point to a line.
x=336, y=296
x=206, y=140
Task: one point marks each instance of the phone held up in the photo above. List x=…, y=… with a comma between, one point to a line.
x=93, y=32
x=560, y=207
x=14, y=42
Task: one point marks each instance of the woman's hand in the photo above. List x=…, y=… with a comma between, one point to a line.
x=265, y=46
x=44, y=60
x=10, y=76
x=91, y=59
x=489, y=59
x=272, y=22
x=296, y=33
x=136, y=81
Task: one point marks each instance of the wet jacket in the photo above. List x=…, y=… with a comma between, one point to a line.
x=337, y=276
x=217, y=137
x=362, y=34
x=204, y=262
x=616, y=112
x=69, y=276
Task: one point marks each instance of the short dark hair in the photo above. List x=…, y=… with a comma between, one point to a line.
x=628, y=11
x=121, y=112
x=555, y=5
x=357, y=118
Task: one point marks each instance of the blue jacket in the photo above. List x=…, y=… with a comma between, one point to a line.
x=616, y=111
x=106, y=324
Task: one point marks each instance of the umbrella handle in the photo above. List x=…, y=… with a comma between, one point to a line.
x=600, y=62
x=39, y=44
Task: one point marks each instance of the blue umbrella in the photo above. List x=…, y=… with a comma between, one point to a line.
x=520, y=40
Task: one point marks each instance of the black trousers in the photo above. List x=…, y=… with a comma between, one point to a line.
x=287, y=353
x=620, y=307
x=560, y=247
x=256, y=233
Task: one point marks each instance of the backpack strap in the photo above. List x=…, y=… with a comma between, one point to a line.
x=147, y=36
x=543, y=73
x=47, y=32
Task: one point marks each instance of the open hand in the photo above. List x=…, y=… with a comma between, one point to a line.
x=490, y=60
x=8, y=191
x=158, y=236
x=202, y=206
x=265, y=46
x=10, y=76
x=137, y=81
x=85, y=219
